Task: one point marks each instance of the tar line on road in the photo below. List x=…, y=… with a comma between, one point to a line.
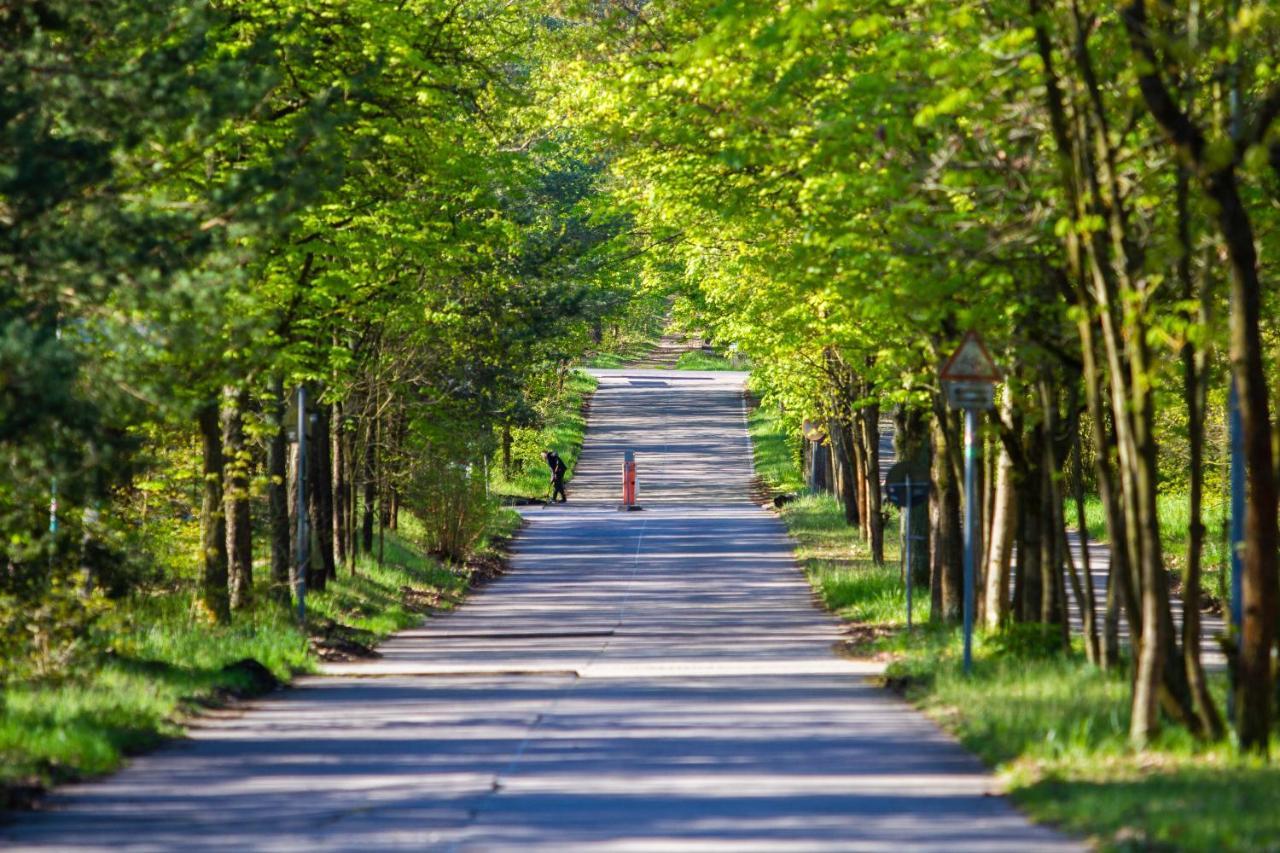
x=639, y=681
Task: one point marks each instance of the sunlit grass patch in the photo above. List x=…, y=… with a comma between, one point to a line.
x=776, y=452
x=1056, y=728
x=702, y=360
x=629, y=348
x=564, y=431
x=1174, y=509
x=839, y=566
x=163, y=662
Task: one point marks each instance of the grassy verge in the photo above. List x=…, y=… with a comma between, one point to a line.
x=564, y=430
x=836, y=561
x=162, y=664
x=1054, y=728
x=776, y=452
x=629, y=347
x=700, y=360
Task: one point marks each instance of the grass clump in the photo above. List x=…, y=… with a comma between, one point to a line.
x=839, y=567
x=702, y=360
x=775, y=448
x=161, y=663
x=1056, y=730
x=627, y=346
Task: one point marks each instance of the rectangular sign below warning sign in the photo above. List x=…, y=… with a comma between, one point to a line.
x=970, y=395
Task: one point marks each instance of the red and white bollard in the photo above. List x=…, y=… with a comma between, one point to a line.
x=628, y=482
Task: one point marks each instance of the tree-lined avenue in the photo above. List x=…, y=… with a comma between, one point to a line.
x=648, y=680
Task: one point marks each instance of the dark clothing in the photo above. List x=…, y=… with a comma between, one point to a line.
x=557, y=466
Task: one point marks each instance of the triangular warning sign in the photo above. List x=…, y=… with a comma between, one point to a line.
x=970, y=363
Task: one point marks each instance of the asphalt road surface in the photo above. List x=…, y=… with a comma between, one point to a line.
x=653, y=680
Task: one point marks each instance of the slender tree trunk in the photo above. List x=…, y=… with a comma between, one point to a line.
x=379, y=475
x=873, y=514
x=1001, y=536
x=340, y=490
x=236, y=497
x=1095, y=649
x=506, y=452
x=857, y=470
x=322, y=491
x=353, y=497
x=840, y=447
x=278, y=495
x=1031, y=548
x=948, y=551
x=1060, y=553
x=214, y=596
x=369, y=479
x=1194, y=396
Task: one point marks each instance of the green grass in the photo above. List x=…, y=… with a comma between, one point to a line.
x=1056, y=730
x=631, y=347
x=839, y=566
x=776, y=452
x=565, y=429
x=1174, y=511
x=164, y=663
x=1054, y=727
x=701, y=360
x=836, y=560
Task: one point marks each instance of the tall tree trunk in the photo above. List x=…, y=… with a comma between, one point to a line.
x=320, y=496
x=506, y=451
x=948, y=545
x=857, y=467
x=340, y=490
x=369, y=479
x=236, y=497
x=214, y=598
x=1094, y=648
x=1059, y=552
x=379, y=478
x=1031, y=546
x=1194, y=382
x=840, y=447
x=873, y=515
x=1000, y=542
x=278, y=495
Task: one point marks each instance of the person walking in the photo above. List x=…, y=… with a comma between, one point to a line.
x=557, y=466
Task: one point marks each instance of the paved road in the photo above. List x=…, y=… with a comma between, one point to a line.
x=639, y=681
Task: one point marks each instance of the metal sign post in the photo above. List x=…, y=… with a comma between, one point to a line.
x=969, y=378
